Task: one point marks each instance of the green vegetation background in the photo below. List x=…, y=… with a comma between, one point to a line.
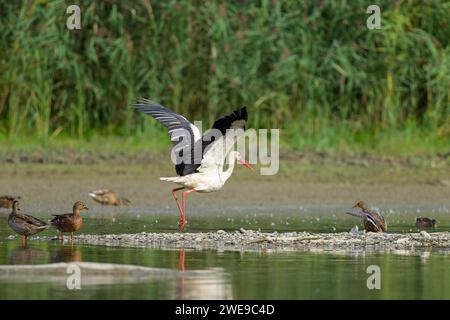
x=310, y=68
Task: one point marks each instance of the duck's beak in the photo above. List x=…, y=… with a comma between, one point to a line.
x=246, y=164
x=86, y=208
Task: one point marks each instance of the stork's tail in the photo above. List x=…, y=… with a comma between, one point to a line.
x=171, y=179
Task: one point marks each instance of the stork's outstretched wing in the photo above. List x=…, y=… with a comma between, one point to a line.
x=183, y=133
x=185, y=136
x=235, y=120
x=230, y=128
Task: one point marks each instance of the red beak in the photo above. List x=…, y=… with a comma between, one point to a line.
x=246, y=164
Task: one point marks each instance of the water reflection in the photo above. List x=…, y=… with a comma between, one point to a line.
x=182, y=256
x=30, y=255
x=48, y=265
x=64, y=253
x=145, y=273
x=217, y=287
x=26, y=255
x=424, y=256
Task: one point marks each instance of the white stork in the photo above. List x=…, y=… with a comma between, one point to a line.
x=204, y=172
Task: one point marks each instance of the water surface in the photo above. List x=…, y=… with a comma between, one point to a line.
x=233, y=274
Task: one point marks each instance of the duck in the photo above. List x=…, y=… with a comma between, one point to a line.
x=425, y=223
x=23, y=224
x=7, y=201
x=373, y=220
x=108, y=197
x=69, y=222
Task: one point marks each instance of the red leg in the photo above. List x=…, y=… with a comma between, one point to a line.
x=183, y=217
x=174, y=195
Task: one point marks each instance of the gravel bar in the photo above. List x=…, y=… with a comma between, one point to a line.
x=255, y=240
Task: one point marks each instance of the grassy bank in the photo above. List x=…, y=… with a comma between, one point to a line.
x=312, y=69
x=408, y=142
x=155, y=151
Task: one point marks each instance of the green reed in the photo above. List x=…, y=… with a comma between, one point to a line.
x=311, y=68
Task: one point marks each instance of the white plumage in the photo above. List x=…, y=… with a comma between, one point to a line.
x=199, y=172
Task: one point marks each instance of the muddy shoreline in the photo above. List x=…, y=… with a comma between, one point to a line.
x=74, y=156
x=55, y=187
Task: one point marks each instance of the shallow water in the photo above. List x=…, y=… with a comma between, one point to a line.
x=110, y=220
x=232, y=274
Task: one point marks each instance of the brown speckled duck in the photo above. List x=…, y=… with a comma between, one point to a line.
x=7, y=201
x=24, y=224
x=373, y=220
x=108, y=197
x=425, y=223
x=69, y=222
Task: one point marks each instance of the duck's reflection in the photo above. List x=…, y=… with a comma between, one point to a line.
x=26, y=255
x=68, y=253
x=183, y=281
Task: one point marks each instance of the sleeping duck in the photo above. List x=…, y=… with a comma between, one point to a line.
x=425, y=223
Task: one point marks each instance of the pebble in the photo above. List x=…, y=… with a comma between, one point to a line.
x=425, y=234
x=402, y=241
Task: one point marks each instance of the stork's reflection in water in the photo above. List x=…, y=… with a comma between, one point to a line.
x=182, y=255
x=211, y=284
